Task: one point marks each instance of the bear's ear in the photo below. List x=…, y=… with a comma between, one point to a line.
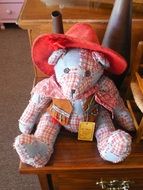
x=100, y=58
x=55, y=56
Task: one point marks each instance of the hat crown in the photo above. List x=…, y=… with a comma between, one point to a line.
x=83, y=31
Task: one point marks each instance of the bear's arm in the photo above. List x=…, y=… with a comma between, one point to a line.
x=111, y=100
x=41, y=96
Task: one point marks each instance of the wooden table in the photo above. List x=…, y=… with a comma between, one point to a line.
x=76, y=164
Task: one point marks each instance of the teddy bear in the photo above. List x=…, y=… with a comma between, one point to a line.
x=77, y=89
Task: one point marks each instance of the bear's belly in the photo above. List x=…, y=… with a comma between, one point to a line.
x=77, y=115
x=78, y=106
x=74, y=122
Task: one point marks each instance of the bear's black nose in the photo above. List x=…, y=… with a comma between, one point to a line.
x=73, y=91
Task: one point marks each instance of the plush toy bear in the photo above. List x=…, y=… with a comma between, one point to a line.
x=76, y=90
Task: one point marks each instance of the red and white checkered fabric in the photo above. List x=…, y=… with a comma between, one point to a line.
x=45, y=134
x=24, y=144
x=56, y=56
x=47, y=130
x=28, y=118
x=30, y=114
x=105, y=92
x=80, y=82
x=122, y=116
x=114, y=146
x=74, y=122
x=48, y=88
x=88, y=62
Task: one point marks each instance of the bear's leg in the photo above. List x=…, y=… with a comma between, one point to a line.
x=36, y=149
x=30, y=114
x=123, y=116
x=113, y=145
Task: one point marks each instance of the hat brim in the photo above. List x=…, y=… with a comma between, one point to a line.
x=44, y=45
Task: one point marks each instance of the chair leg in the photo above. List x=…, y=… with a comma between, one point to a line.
x=140, y=131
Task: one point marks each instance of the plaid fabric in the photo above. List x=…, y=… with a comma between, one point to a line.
x=47, y=130
x=100, y=58
x=106, y=94
x=113, y=145
x=56, y=56
x=81, y=78
x=105, y=91
x=46, y=134
x=74, y=122
x=25, y=144
x=104, y=120
x=110, y=142
x=88, y=62
x=117, y=144
x=28, y=118
x=48, y=88
x=72, y=79
x=122, y=116
x=30, y=114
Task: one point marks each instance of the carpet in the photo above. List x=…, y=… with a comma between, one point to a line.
x=16, y=78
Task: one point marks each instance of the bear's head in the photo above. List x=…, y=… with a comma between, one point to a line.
x=76, y=59
x=77, y=70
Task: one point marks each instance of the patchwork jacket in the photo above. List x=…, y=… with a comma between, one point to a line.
x=103, y=93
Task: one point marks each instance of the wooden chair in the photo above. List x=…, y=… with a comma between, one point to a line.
x=137, y=65
x=136, y=106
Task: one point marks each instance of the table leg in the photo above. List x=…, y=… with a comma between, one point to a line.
x=45, y=181
x=2, y=27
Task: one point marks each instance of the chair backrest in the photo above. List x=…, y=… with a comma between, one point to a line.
x=137, y=65
x=136, y=105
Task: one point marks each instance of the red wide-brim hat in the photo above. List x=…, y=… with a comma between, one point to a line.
x=80, y=35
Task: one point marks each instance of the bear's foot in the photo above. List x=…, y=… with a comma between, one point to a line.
x=116, y=147
x=32, y=151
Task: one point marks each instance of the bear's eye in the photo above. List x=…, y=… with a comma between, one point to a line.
x=87, y=73
x=66, y=70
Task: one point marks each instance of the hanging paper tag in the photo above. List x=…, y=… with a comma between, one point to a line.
x=86, y=131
